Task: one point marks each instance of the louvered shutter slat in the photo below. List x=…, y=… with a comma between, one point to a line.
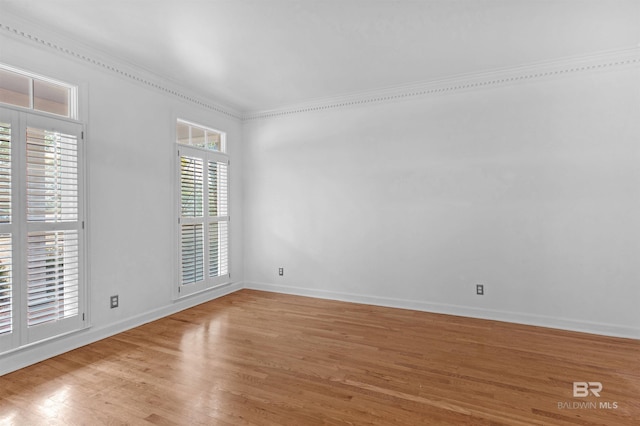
x=218, y=206
x=53, y=257
x=223, y=248
x=6, y=276
x=218, y=183
x=5, y=173
x=192, y=186
x=192, y=253
x=218, y=243
x=52, y=176
x=6, y=285
x=53, y=276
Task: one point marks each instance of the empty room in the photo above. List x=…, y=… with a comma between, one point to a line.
x=312, y=212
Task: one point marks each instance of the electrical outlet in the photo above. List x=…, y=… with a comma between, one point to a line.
x=114, y=301
x=281, y=271
x=480, y=289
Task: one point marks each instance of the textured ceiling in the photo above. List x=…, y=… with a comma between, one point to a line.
x=255, y=55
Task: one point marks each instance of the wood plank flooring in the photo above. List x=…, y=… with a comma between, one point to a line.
x=257, y=358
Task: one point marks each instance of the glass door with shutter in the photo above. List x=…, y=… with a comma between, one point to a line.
x=42, y=273
x=203, y=219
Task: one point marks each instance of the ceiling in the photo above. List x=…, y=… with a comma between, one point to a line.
x=255, y=55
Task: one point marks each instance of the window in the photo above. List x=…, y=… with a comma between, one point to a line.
x=203, y=236
x=201, y=137
x=26, y=90
x=41, y=228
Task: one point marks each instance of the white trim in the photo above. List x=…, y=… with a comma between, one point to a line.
x=602, y=61
x=598, y=61
x=41, y=113
x=41, y=351
x=614, y=330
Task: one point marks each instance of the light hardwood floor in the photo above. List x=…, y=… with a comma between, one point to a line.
x=271, y=359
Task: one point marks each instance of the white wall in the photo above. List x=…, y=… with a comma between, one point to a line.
x=131, y=223
x=531, y=189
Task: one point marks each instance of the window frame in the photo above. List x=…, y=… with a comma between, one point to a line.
x=181, y=289
x=73, y=94
x=206, y=129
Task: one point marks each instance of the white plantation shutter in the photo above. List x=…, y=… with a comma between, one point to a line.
x=52, y=176
x=53, y=276
x=218, y=252
x=5, y=172
x=53, y=245
x=192, y=202
x=218, y=184
x=192, y=253
x=6, y=285
x=203, y=215
x=7, y=233
x=218, y=215
x=6, y=312
x=191, y=186
x=52, y=197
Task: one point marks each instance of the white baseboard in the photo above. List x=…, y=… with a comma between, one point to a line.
x=39, y=352
x=613, y=330
x=32, y=354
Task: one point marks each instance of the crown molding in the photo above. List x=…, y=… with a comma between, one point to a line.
x=602, y=61
x=108, y=63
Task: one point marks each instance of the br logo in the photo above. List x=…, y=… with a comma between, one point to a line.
x=582, y=389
